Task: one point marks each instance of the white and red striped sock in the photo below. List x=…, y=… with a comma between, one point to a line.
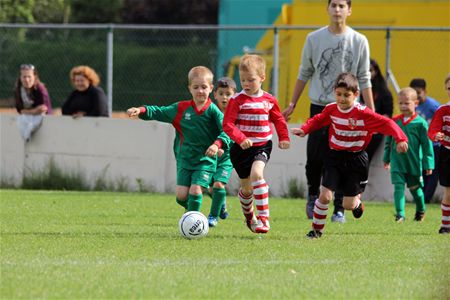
x=319, y=216
x=445, y=215
x=246, y=205
x=261, y=194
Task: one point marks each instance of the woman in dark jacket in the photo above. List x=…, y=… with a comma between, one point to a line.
x=30, y=94
x=88, y=99
x=383, y=101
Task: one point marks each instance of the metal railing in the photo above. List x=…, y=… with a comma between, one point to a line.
x=167, y=52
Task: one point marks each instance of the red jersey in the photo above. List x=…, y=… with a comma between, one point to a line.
x=351, y=130
x=441, y=123
x=249, y=117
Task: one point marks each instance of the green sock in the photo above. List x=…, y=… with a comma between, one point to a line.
x=182, y=203
x=218, y=199
x=399, y=199
x=194, y=202
x=419, y=198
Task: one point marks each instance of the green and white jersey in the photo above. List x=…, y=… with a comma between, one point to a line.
x=195, y=131
x=420, y=154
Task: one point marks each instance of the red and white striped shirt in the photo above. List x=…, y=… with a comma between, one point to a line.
x=441, y=123
x=249, y=117
x=351, y=130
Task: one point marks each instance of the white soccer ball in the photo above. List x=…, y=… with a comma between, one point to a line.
x=193, y=225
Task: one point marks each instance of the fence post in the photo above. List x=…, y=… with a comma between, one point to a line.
x=275, y=65
x=109, y=67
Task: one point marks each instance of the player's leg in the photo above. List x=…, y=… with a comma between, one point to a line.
x=245, y=196
x=218, y=199
x=316, y=148
x=199, y=180
x=444, y=180
x=261, y=195
x=320, y=213
x=419, y=199
x=182, y=189
x=399, y=202
x=181, y=193
x=355, y=170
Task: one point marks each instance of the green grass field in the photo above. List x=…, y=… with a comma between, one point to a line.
x=127, y=245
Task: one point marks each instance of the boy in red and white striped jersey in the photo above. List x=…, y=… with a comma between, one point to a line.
x=346, y=168
x=247, y=122
x=439, y=130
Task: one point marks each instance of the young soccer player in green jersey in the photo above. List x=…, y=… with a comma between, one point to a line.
x=225, y=89
x=406, y=168
x=199, y=136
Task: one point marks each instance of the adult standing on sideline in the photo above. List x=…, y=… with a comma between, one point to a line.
x=31, y=95
x=426, y=109
x=327, y=52
x=88, y=99
x=383, y=102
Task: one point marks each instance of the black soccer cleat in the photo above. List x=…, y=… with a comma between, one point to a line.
x=444, y=230
x=358, y=211
x=420, y=216
x=399, y=219
x=314, y=234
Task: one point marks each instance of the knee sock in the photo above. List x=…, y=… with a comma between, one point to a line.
x=182, y=203
x=261, y=195
x=319, y=216
x=246, y=205
x=399, y=199
x=419, y=198
x=445, y=215
x=194, y=202
x=218, y=199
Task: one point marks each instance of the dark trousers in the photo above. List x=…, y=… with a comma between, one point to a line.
x=430, y=181
x=373, y=145
x=316, y=150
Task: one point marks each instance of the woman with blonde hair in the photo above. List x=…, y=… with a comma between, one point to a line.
x=88, y=99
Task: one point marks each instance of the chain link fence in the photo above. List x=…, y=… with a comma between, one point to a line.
x=149, y=64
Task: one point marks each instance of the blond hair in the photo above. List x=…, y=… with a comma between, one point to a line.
x=87, y=72
x=253, y=62
x=200, y=71
x=409, y=93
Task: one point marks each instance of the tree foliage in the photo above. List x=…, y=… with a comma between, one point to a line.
x=170, y=11
x=109, y=11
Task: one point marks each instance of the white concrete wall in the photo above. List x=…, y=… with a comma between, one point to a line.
x=132, y=150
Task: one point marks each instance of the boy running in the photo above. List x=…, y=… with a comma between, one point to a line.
x=247, y=122
x=199, y=136
x=406, y=168
x=225, y=89
x=440, y=131
x=346, y=167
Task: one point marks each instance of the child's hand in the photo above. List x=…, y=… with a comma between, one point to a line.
x=212, y=150
x=387, y=166
x=428, y=172
x=439, y=136
x=402, y=147
x=284, y=144
x=133, y=112
x=246, y=144
x=298, y=131
x=220, y=152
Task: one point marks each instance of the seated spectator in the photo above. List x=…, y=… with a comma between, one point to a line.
x=31, y=94
x=88, y=99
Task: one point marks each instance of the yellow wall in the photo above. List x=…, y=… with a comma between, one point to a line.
x=413, y=53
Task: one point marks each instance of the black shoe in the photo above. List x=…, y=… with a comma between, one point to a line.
x=399, y=219
x=358, y=212
x=420, y=215
x=314, y=234
x=444, y=230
